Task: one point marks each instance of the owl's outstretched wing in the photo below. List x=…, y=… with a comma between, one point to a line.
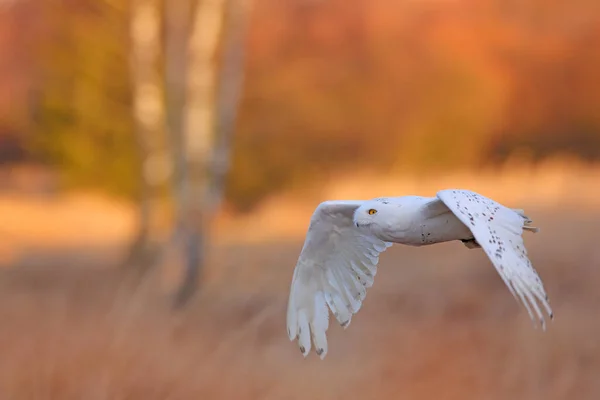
x=335, y=267
x=498, y=231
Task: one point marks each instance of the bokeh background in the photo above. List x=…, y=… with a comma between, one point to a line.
x=310, y=100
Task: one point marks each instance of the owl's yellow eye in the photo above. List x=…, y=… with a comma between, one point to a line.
x=372, y=211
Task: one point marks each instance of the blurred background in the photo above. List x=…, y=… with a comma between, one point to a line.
x=159, y=163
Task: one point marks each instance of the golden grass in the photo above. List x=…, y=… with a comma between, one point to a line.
x=438, y=322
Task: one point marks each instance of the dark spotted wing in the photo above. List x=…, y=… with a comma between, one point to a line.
x=498, y=231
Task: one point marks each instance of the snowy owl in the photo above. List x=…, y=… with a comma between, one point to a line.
x=339, y=258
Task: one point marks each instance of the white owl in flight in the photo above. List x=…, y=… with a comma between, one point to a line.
x=339, y=259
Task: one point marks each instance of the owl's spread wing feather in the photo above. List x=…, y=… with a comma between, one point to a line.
x=498, y=231
x=335, y=268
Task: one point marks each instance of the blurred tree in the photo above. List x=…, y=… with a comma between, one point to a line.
x=229, y=94
x=330, y=87
x=177, y=25
x=148, y=110
x=211, y=108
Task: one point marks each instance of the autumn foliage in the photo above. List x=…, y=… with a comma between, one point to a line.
x=393, y=86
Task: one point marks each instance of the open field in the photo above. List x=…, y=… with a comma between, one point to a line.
x=438, y=323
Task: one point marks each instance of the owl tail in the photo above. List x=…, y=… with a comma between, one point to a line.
x=527, y=226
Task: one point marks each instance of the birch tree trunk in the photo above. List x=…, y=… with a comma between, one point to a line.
x=149, y=129
x=231, y=82
x=198, y=138
x=211, y=104
x=177, y=31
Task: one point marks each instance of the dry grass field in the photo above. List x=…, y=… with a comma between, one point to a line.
x=438, y=323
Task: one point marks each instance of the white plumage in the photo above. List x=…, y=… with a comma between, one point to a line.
x=339, y=259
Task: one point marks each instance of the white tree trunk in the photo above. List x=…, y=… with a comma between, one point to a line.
x=231, y=82
x=149, y=125
x=211, y=104
x=198, y=136
x=177, y=32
